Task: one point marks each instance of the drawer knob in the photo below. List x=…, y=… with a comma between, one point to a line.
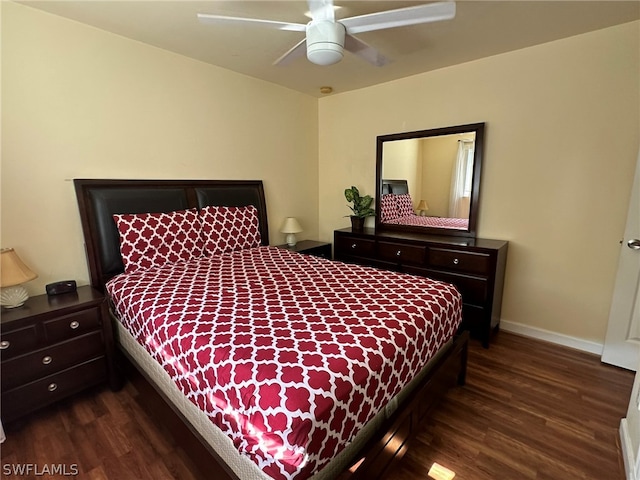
x=52, y=387
x=47, y=360
x=354, y=245
x=456, y=261
x=75, y=324
x=398, y=253
x=4, y=344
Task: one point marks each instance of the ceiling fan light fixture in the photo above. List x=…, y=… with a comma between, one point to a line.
x=325, y=42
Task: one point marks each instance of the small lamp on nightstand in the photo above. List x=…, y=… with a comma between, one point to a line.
x=422, y=208
x=291, y=227
x=13, y=273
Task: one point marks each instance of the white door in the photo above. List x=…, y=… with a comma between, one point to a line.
x=622, y=343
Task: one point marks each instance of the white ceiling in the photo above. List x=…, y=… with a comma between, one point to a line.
x=480, y=29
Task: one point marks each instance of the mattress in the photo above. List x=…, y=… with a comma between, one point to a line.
x=241, y=465
x=290, y=357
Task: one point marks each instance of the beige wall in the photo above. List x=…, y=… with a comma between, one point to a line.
x=402, y=162
x=562, y=138
x=79, y=102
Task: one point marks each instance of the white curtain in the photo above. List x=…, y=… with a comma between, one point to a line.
x=461, y=178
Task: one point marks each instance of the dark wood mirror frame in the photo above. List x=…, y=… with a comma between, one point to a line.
x=478, y=128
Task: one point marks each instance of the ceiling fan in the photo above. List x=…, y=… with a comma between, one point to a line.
x=327, y=38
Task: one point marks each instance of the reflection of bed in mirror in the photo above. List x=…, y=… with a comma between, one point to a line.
x=397, y=207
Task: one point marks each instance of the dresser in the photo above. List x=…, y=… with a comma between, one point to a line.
x=52, y=347
x=475, y=266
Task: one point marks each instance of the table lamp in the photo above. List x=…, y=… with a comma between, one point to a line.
x=291, y=227
x=13, y=273
x=422, y=208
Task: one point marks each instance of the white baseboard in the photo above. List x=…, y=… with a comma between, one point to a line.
x=627, y=450
x=549, y=336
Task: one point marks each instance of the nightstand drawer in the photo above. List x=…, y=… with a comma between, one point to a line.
x=401, y=253
x=17, y=341
x=471, y=262
x=72, y=325
x=356, y=246
x=47, y=361
x=24, y=399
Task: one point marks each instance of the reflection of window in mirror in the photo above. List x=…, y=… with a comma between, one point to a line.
x=461, y=179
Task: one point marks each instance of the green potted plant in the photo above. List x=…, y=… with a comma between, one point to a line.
x=361, y=207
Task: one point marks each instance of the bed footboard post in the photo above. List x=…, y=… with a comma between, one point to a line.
x=464, y=354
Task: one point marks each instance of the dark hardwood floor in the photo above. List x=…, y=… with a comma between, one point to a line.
x=529, y=410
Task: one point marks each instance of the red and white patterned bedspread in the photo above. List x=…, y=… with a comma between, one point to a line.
x=289, y=354
x=440, y=222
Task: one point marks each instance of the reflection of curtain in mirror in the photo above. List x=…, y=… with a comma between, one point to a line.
x=461, y=179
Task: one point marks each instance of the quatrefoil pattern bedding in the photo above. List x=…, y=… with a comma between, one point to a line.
x=438, y=222
x=226, y=229
x=153, y=239
x=150, y=239
x=288, y=354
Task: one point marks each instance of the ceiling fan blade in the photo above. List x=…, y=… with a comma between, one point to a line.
x=365, y=51
x=321, y=10
x=293, y=27
x=299, y=50
x=431, y=12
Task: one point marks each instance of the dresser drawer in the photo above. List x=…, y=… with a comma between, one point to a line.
x=49, y=360
x=401, y=253
x=15, y=342
x=72, y=325
x=471, y=262
x=24, y=399
x=474, y=290
x=355, y=246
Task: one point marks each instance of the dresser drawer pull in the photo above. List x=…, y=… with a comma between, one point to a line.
x=4, y=344
x=398, y=253
x=52, y=387
x=47, y=360
x=354, y=245
x=456, y=261
x=75, y=324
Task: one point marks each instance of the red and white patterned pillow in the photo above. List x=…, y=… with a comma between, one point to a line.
x=153, y=239
x=225, y=229
x=405, y=205
x=388, y=207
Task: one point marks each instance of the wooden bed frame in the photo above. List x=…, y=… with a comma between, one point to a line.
x=98, y=200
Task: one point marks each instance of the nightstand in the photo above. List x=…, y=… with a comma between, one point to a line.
x=310, y=247
x=53, y=347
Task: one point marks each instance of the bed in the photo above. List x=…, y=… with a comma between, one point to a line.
x=274, y=367
x=396, y=207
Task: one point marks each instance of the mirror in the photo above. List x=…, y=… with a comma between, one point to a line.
x=428, y=181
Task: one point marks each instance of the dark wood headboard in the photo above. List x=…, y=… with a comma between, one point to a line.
x=98, y=200
x=394, y=186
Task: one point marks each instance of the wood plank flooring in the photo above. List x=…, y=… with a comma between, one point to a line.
x=529, y=410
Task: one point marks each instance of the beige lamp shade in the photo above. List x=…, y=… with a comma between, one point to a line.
x=291, y=226
x=13, y=272
x=422, y=207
